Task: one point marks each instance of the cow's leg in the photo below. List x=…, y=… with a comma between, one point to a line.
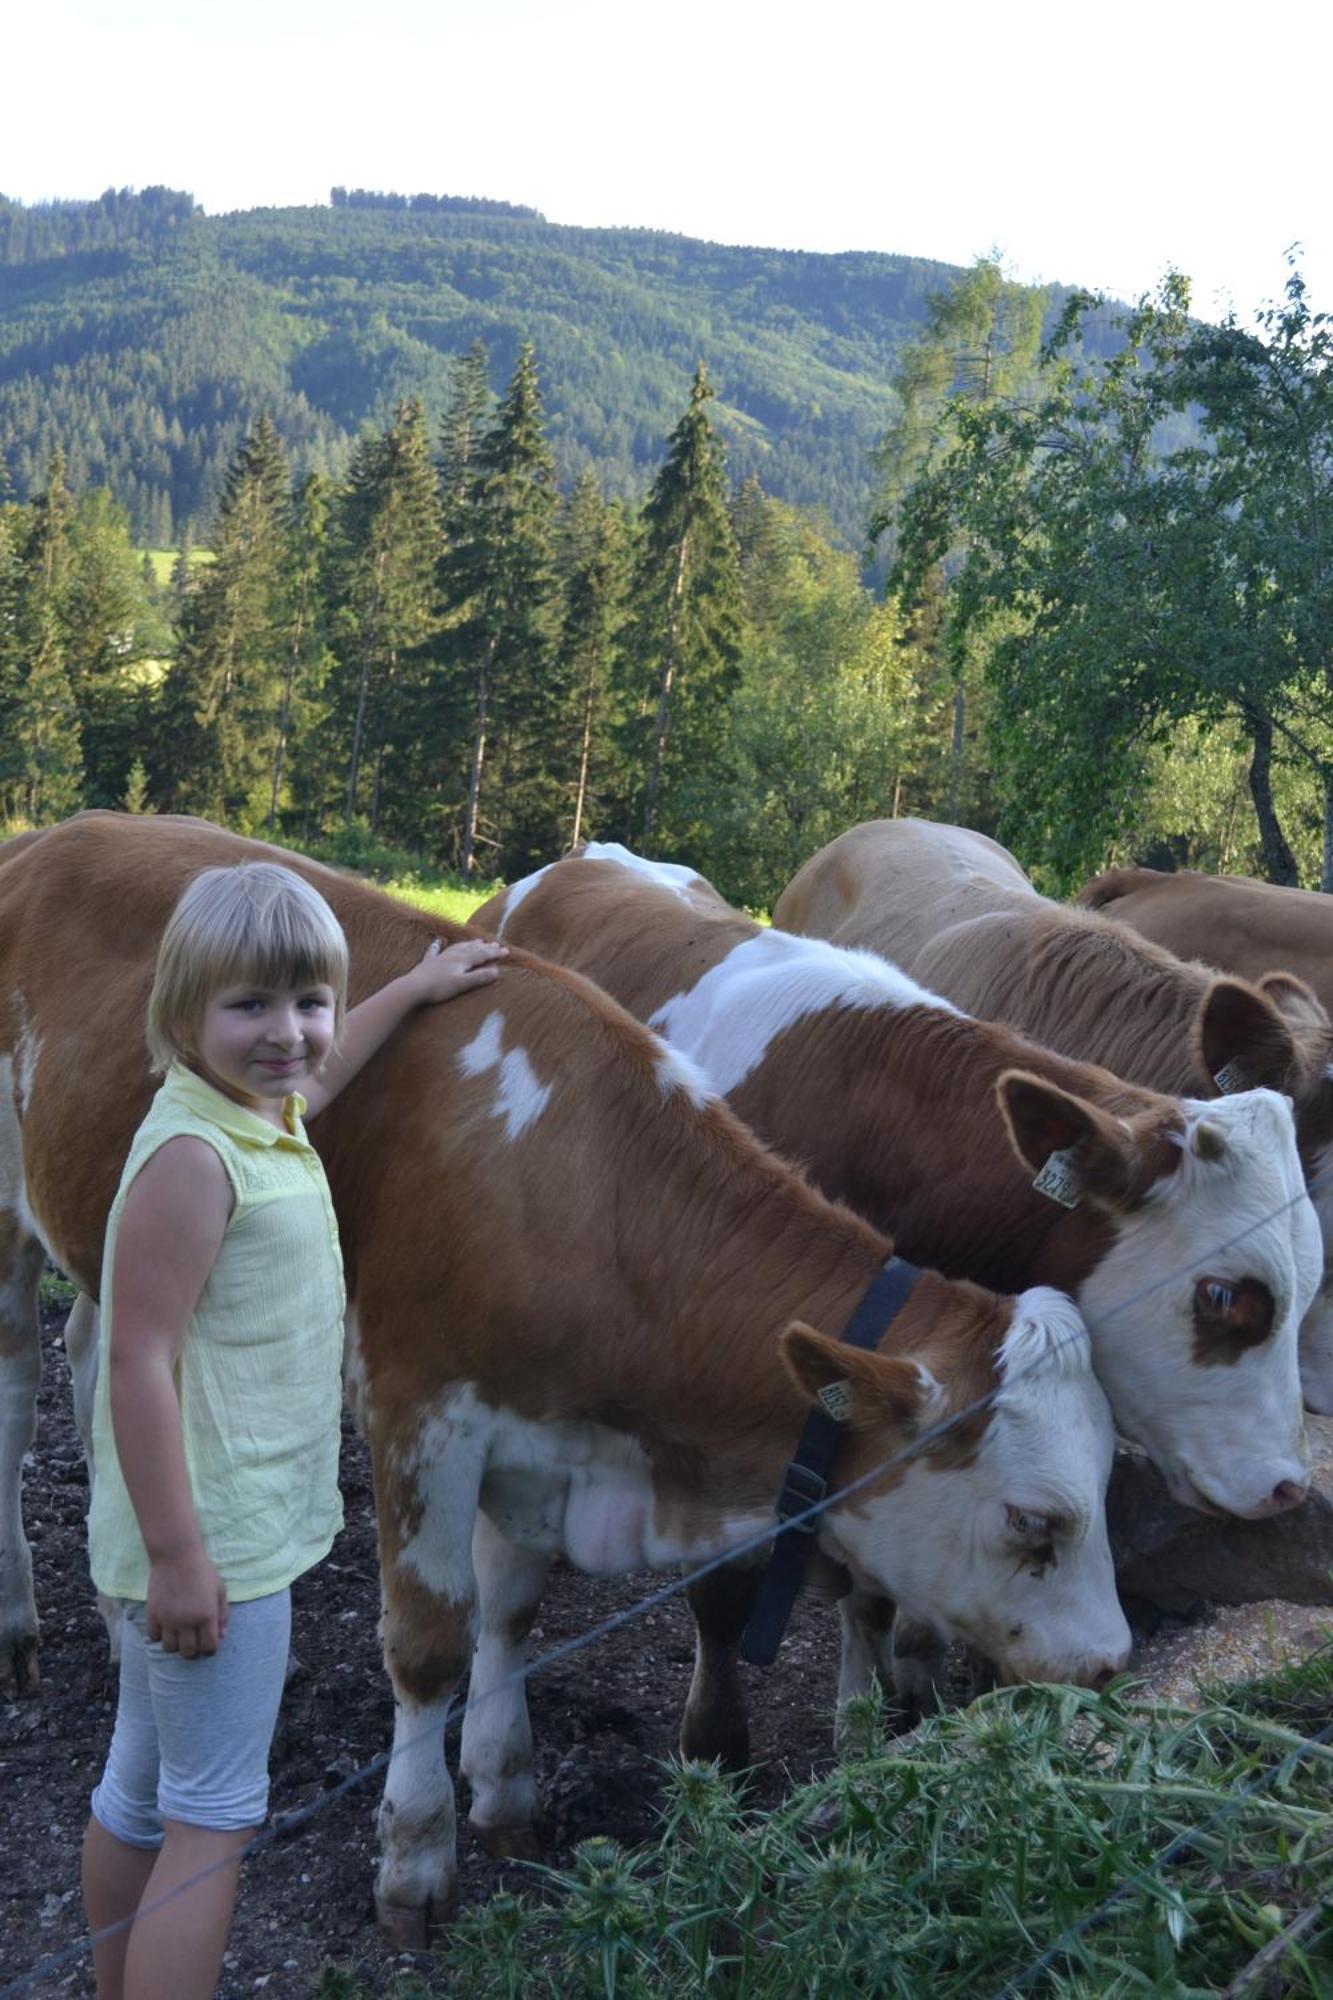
x=20, y=1375
x=715, y=1725
x=918, y=1667
x=426, y=1502
x=497, y=1734
x=81, y=1331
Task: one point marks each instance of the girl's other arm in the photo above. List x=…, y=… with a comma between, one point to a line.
x=440, y=975
x=171, y=1228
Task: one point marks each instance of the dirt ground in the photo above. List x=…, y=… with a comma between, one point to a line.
x=602, y=1721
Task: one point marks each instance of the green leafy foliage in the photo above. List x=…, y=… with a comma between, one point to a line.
x=1045, y=1839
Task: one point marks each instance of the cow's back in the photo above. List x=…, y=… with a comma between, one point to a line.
x=82, y=909
x=1243, y=926
x=891, y=885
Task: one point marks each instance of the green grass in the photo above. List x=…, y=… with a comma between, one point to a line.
x=444, y=896
x=1038, y=1820
x=165, y=560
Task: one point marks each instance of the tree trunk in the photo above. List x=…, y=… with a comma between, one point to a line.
x=585, y=747
x=662, y=724
x=473, y=812
x=1279, y=861
x=956, y=747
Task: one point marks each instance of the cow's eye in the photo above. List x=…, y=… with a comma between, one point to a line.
x=1217, y=1296
x=1029, y=1527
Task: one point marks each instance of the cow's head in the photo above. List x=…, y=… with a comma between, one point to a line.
x=1276, y=1035
x=996, y=1531
x=1213, y=1259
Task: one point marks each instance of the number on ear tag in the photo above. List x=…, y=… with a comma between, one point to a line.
x=837, y=1399
x=1229, y=1079
x=1061, y=1179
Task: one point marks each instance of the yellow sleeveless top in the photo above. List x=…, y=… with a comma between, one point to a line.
x=259, y=1370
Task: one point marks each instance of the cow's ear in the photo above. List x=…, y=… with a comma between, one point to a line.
x=1297, y=1003
x=1244, y=1038
x=1077, y=1153
x=865, y=1390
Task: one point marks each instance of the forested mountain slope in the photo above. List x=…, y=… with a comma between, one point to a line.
x=144, y=338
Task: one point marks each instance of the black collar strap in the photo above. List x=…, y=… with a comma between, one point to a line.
x=805, y=1482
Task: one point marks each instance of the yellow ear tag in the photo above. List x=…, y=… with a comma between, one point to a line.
x=1061, y=1179
x=837, y=1398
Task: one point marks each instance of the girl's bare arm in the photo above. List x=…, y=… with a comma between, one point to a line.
x=171, y=1228
x=440, y=975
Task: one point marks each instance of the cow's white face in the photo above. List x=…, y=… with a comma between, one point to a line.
x=1010, y=1551
x=1201, y=1364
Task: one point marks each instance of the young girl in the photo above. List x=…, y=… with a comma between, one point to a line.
x=216, y=1420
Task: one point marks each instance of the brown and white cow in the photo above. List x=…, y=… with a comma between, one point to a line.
x=955, y=910
x=933, y=1125
x=585, y=1299
x=1232, y=921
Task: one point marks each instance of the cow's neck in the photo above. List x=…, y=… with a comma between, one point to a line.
x=919, y=1145
x=1089, y=989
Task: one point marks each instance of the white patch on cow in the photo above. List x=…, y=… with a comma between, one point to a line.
x=1232, y=1432
x=520, y=1096
x=27, y=1050
x=355, y=1388
x=666, y=874
x=730, y=1017
x=1047, y=1331
x=566, y=1488
x=484, y=1050
x=516, y=892
x=440, y=1471
x=677, y=1071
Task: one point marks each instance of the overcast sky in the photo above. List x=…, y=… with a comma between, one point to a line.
x=1094, y=145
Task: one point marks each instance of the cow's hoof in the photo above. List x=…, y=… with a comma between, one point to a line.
x=716, y=1739
x=20, y=1665
x=416, y=1926
x=510, y=1843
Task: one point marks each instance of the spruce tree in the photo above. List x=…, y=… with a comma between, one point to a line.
x=500, y=597
x=682, y=642
x=385, y=600
x=222, y=704
x=111, y=623
x=594, y=562
x=44, y=761
x=305, y=670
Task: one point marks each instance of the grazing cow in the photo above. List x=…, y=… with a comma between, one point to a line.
x=933, y=1125
x=585, y=1306
x=956, y=911
x=1243, y=926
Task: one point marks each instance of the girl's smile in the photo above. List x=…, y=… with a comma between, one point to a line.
x=256, y=1044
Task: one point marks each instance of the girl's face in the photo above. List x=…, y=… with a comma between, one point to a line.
x=256, y=1044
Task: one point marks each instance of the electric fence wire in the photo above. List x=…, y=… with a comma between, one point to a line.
x=923, y=1443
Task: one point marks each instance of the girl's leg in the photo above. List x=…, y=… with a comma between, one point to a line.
x=177, y=1940
x=115, y=1876
x=212, y=1723
x=125, y=1830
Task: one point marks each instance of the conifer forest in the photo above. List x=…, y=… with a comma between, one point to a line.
x=455, y=588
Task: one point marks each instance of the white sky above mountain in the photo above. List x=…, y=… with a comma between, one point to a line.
x=1095, y=145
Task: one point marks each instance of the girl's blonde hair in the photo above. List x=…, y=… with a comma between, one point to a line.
x=255, y=922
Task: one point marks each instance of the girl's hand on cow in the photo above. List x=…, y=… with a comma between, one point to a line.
x=456, y=968
x=187, y=1604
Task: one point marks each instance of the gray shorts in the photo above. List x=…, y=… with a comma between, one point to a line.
x=192, y=1737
